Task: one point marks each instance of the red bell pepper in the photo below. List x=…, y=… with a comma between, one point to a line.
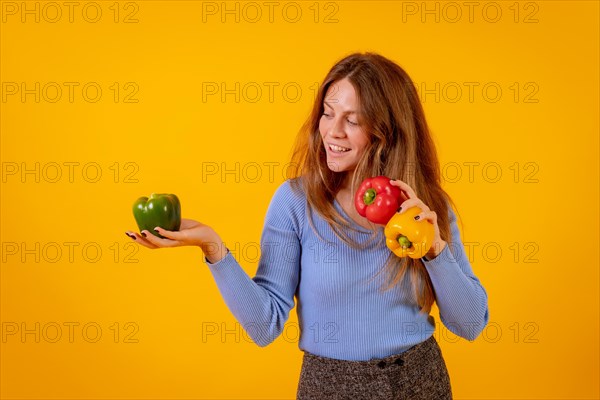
x=377, y=200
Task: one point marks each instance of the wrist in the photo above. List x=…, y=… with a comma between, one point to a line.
x=435, y=250
x=213, y=248
x=215, y=257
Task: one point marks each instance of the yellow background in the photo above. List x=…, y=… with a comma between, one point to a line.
x=542, y=340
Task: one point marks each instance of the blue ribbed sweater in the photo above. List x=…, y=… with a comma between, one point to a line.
x=341, y=311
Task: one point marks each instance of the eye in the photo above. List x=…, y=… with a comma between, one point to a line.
x=325, y=114
x=352, y=123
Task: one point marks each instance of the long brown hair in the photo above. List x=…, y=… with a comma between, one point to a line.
x=400, y=147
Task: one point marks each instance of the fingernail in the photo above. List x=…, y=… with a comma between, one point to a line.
x=128, y=235
x=143, y=234
x=156, y=229
x=417, y=217
x=400, y=209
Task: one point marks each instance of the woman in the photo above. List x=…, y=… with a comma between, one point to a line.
x=363, y=337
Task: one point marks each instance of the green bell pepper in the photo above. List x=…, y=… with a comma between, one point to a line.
x=163, y=210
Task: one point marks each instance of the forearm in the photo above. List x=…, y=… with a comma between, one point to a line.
x=248, y=300
x=261, y=304
x=462, y=300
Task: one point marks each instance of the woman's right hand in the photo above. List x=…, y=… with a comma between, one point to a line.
x=190, y=233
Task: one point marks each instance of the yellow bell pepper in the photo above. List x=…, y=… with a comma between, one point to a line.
x=407, y=237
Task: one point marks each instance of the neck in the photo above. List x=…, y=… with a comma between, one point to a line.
x=345, y=186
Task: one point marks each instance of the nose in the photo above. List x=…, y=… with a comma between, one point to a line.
x=336, y=129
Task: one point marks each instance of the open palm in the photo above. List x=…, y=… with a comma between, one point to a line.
x=190, y=233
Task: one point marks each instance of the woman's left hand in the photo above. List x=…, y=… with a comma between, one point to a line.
x=425, y=214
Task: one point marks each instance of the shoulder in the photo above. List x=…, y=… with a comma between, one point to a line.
x=288, y=204
x=450, y=206
x=290, y=193
x=451, y=213
x=453, y=220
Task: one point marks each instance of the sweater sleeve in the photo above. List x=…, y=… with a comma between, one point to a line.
x=461, y=298
x=262, y=304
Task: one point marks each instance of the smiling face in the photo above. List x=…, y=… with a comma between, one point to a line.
x=343, y=135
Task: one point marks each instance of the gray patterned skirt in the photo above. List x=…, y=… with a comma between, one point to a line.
x=418, y=373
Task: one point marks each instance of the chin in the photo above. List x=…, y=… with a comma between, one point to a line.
x=338, y=167
x=335, y=166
